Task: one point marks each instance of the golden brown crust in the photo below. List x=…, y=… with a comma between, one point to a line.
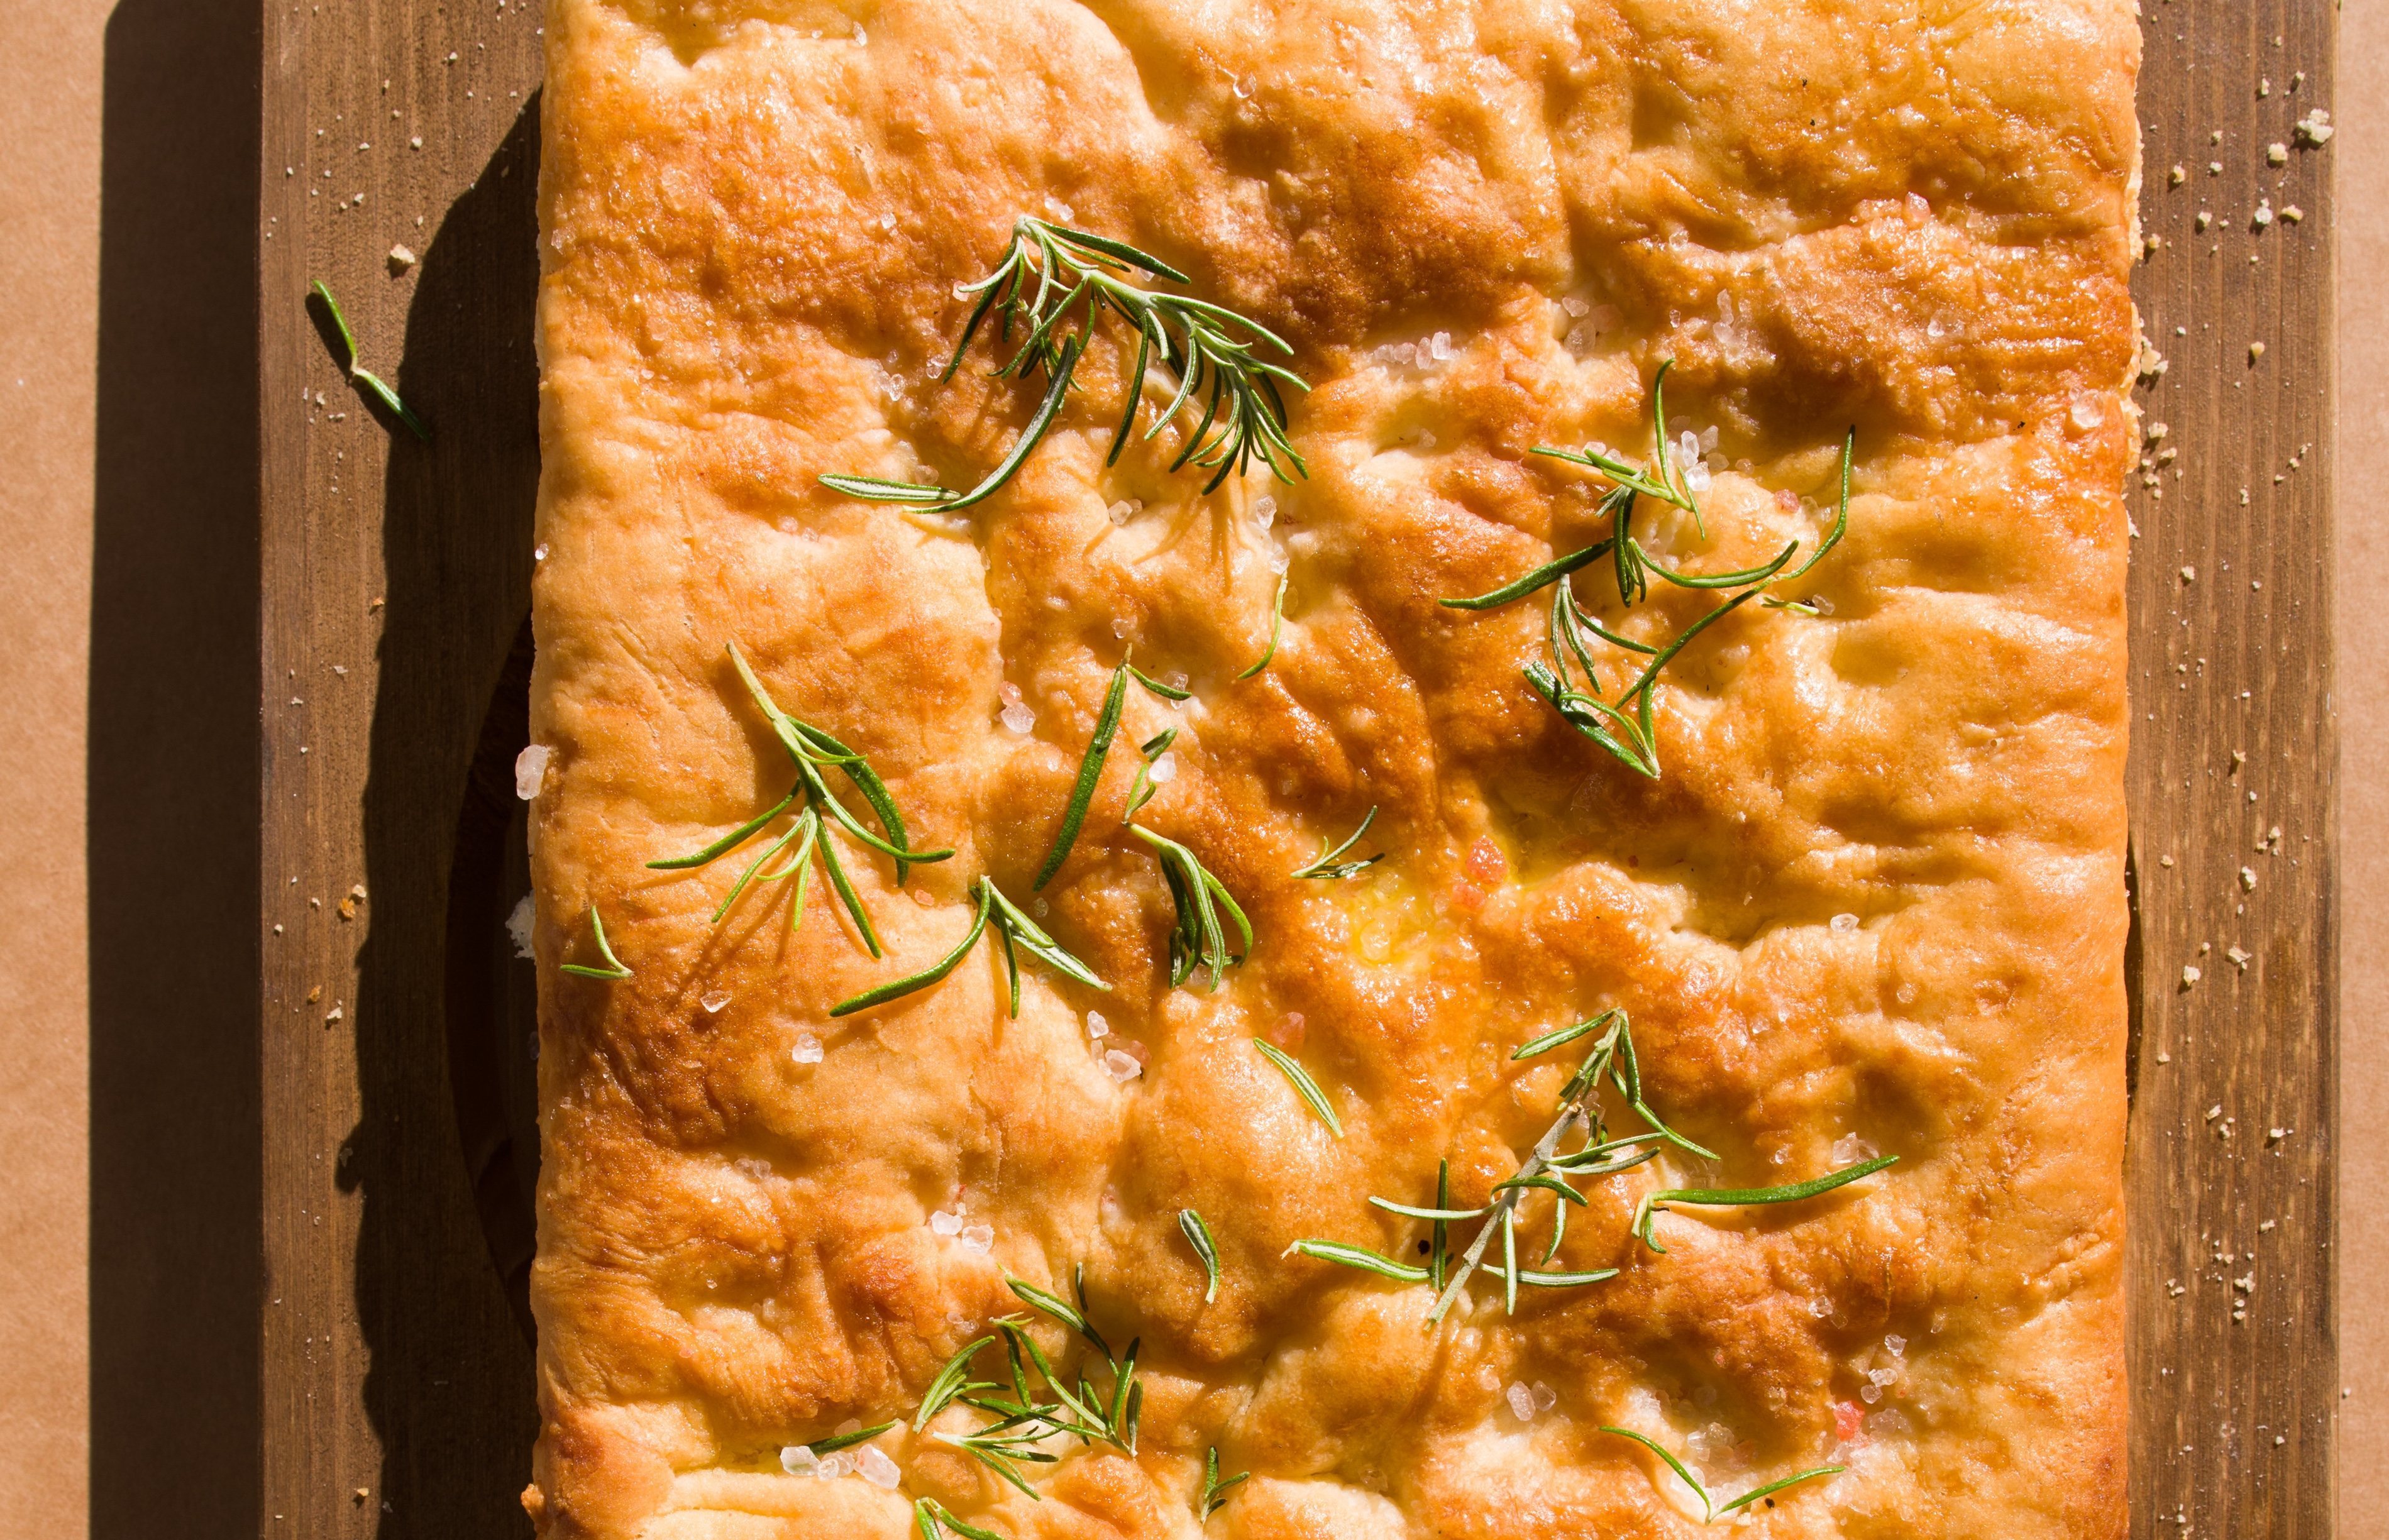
x=1828, y=213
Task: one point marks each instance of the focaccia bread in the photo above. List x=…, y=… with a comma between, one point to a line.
x=1859, y=893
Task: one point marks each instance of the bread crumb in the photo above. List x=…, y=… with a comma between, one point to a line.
x=400, y=258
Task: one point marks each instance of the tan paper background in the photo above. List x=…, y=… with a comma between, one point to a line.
x=52, y=120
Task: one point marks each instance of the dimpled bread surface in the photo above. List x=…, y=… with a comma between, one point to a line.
x=1873, y=901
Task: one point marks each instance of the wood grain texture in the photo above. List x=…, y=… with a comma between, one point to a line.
x=2232, y=1272
x=392, y=1361
x=397, y=1382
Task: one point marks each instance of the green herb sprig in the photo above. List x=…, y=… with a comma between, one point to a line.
x=359, y=375
x=613, y=968
x=1091, y=765
x=1277, y=627
x=1215, y=1491
x=1624, y=726
x=1304, y=1086
x=1710, y=1509
x=1652, y=1205
x=812, y=752
x=1329, y=866
x=1015, y=931
x=1051, y=273
x=1206, y=1251
x=1030, y=1408
x=1196, y=938
x=847, y=1441
x=932, y=1519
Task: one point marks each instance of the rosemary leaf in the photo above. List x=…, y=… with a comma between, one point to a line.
x=933, y=973
x=359, y=375
x=1327, y=866
x=1304, y=1086
x=1277, y=625
x=1140, y=791
x=952, y=1381
x=1166, y=691
x=1215, y=1491
x=1646, y=1212
x=934, y=1519
x=1550, y=572
x=613, y=969
x=1407, y=1212
x=1354, y=1256
x=1772, y=1487
x=1673, y=1464
x=1564, y=1036
x=1198, y=1235
x=1841, y=527
x=876, y=489
x=1197, y=938
x=846, y=1441
x=1091, y=771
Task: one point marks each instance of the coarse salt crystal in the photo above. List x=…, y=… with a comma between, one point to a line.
x=1122, y=626
x=1894, y=1345
x=539, y=552
x=1850, y=1149
x=520, y=925
x=1279, y=560
x=1122, y=511
x=1883, y=1376
x=873, y=1465
x=1439, y=346
x=1018, y=718
x=834, y=1466
x=1165, y=770
x=1522, y=1402
x=1870, y=1393
x=1120, y=1067
x=1545, y=1397
x=1574, y=306
x=1097, y=1028
x=1787, y=500
x=1265, y=510
x=1688, y=446
x=530, y=768
x=2086, y=414
x=1845, y=921
x=1696, y=477
x=808, y=1048
x=943, y=1222
x=978, y=1238
x=714, y=1000
x=799, y=1460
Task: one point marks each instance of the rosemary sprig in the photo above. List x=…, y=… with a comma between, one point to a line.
x=812, y=752
x=1040, y=1403
x=1304, y=1086
x=1711, y=1511
x=1547, y=1168
x=933, y=1520
x=1048, y=273
x=613, y=968
x=359, y=375
x=1017, y=932
x=1327, y=866
x=1196, y=939
x=1215, y=1491
x=1624, y=727
x=847, y=1441
x=1141, y=790
x=1198, y=1235
x=1091, y=765
x=1277, y=626
x=1646, y=1212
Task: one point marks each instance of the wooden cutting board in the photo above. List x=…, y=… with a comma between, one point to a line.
x=397, y=1381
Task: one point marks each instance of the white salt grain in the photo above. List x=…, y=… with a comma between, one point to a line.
x=798, y=1460
x=1522, y=1402
x=1845, y=921
x=834, y=1466
x=978, y=1238
x=519, y=925
x=530, y=768
x=1894, y=1345
x=1439, y=346
x=1018, y=718
x=1165, y=770
x=2086, y=414
x=875, y=1467
x=1696, y=477
x=1097, y=1028
x=714, y=1000
x=808, y=1048
x=1122, y=511
x=1120, y=1067
x=943, y=1222
x=1850, y=1149
x=1545, y=1397
x=1265, y=510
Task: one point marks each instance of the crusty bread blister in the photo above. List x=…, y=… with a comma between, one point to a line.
x=1852, y=888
